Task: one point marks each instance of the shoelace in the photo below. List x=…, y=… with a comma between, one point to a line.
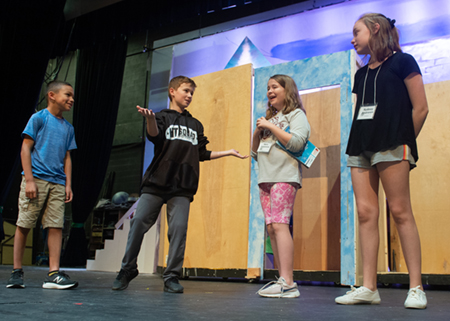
x=278, y=281
x=354, y=290
x=414, y=293
x=64, y=275
x=61, y=273
x=268, y=285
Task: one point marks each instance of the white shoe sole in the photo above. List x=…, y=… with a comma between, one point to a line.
x=51, y=285
x=288, y=295
x=359, y=302
x=15, y=286
x=416, y=307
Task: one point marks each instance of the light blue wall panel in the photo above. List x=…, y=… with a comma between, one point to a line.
x=333, y=69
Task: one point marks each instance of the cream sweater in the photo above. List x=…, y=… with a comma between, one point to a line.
x=277, y=165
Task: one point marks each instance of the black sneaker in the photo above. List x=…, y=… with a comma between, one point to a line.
x=59, y=281
x=16, y=279
x=123, y=278
x=173, y=286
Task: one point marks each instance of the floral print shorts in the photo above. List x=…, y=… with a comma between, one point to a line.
x=277, y=201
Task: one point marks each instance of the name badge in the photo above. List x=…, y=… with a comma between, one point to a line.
x=367, y=112
x=264, y=147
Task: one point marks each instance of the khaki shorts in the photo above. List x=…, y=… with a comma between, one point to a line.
x=369, y=159
x=51, y=197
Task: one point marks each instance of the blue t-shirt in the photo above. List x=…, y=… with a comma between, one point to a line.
x=53, y=137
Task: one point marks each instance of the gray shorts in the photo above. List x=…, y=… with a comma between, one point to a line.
x=369, y=159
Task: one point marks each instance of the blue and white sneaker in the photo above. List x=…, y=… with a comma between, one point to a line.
x=279, y=289
x=59, y=281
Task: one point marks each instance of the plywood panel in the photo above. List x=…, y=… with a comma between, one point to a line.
x=430, y=186
x=317, y=205
x=218, y=222
x=383, y=250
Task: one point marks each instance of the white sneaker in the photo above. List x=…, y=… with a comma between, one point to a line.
x=279, y=289
x=417, y=299
x=361, y=295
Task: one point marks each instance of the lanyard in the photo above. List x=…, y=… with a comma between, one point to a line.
x=374, y=86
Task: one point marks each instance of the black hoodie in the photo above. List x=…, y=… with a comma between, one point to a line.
x=179, y=147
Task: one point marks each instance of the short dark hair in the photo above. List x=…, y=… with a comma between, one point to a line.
x=56, y=85
x=178, y=81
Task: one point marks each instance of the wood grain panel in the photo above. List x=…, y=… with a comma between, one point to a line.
x=430, y=187
x=317, y=205
x=218, y=222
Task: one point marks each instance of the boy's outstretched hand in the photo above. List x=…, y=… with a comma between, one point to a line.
x=147, y=113
x=235, y=153
x=231, y=152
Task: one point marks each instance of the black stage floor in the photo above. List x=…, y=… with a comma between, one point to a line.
x=204, y=299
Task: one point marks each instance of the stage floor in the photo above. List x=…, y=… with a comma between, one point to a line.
x=204, y=299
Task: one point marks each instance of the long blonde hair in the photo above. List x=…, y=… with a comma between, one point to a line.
x=292, y=99
x=383, y=43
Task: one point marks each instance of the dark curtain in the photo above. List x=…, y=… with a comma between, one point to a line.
x=28, y=30
x=97, y=91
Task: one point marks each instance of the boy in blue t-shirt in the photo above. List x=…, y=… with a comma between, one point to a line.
x=46, y=182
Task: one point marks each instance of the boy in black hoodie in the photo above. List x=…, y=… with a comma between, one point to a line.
x=171, y=178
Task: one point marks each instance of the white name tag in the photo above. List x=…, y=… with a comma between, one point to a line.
x=264, y=147
x=367, y=112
